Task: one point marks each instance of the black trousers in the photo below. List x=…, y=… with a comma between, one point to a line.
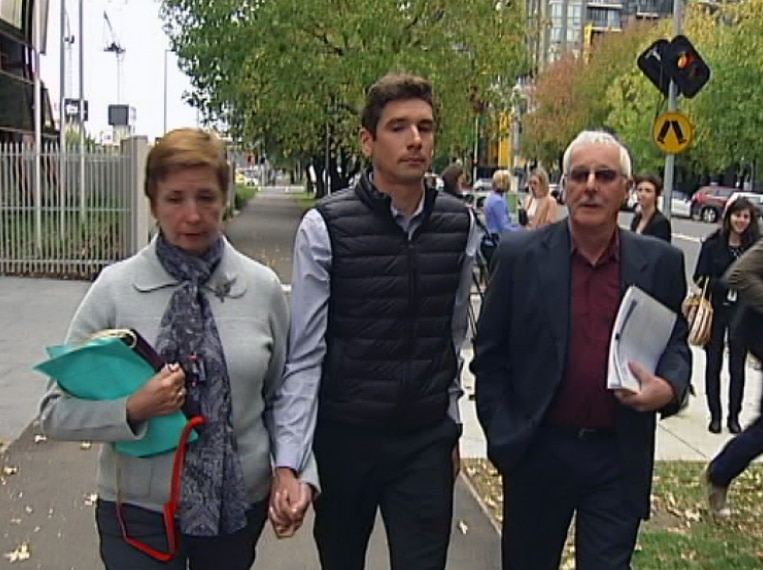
x=562, y=475
x=722, y=318
x=408, y=476
x=738, y=453
x=230, y=552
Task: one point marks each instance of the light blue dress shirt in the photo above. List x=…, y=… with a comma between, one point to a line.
x=296, y=407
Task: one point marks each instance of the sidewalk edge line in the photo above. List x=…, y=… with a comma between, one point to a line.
x=483, y=507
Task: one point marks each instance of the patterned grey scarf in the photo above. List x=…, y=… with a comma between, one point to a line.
x=214, y=499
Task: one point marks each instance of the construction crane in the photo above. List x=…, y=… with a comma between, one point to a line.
x=113, y=45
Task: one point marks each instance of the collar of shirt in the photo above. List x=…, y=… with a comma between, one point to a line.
x=612, y=253
x=407, y=223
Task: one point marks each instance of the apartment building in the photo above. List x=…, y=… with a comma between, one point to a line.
x=558, y=27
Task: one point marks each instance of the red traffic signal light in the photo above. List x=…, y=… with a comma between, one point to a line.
x=685, y=59
x=677, y=60
x=685, y=66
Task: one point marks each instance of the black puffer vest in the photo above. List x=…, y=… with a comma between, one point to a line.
x=390, y=357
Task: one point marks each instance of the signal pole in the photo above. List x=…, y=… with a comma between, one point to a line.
x=670, y=159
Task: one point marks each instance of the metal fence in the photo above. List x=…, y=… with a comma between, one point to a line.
x=80, y=217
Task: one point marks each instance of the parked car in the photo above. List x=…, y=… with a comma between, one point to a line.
x=708, y=202
x=483, y=184
x=680, y=205
x=476, y=198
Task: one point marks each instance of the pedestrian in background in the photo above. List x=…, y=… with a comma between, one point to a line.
x=453, y=180
x=381, y=283
x=496, y=207
x=540, y=206
x=649, y=221
x=738, y=232
x=220, y=320
x=745, y=276
x=497, y=218
x=562, y=441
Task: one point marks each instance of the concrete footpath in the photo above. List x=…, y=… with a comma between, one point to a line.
x=47, y=488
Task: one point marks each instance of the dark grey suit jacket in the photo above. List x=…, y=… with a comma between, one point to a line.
x=522, y=340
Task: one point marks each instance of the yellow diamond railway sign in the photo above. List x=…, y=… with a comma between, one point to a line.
x=673, y=132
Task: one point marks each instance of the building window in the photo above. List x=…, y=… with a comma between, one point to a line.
x=556, y=34
x=575, y=16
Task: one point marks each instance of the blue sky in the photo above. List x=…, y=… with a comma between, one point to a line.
x=138, y=27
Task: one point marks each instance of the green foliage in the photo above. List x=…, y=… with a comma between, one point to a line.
x=279, y=72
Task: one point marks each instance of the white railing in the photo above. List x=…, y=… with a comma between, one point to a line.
x=72, y=227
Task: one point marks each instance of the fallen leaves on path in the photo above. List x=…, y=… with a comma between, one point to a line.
x=20, y=554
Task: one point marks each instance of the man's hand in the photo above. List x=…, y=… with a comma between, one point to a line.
x=656, y=393
x=289, y=500
x=456, y=457
x=161, y=395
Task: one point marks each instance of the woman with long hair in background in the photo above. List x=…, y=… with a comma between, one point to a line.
x=738, y=232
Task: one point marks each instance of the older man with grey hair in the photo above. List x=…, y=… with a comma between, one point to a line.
x=565, y=444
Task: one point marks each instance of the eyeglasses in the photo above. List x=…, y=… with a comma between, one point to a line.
x=603, y=175
x=170, y=508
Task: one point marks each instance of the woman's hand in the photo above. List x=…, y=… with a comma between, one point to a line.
x=163, y=394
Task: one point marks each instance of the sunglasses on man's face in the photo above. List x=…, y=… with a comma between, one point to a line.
x=602, y=175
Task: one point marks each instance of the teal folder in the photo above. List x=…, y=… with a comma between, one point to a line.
x=108, y=369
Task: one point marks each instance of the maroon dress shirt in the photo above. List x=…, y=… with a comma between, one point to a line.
x=583, y=400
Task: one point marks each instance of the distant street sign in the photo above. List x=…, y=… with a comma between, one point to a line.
x=71, y=109
x=673, y=132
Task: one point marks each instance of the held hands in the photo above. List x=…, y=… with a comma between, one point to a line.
x=656, y=393
x=289, y=500
x=163, y=394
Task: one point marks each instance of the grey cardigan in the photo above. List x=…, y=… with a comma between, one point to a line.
x=253, y=322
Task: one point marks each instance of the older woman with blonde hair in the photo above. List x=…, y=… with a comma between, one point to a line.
x=540, y=205
x=496, y=207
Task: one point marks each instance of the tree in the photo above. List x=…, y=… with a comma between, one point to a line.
x=575, y=93
x=292, y=73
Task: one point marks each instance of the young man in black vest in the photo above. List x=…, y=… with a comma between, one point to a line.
x=381, y=281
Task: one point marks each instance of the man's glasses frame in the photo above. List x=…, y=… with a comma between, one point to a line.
x=601, y=175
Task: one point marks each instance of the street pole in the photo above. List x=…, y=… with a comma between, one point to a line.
x=37, y=33
x=670, y=159
x=62, y=124
x=475, y=158
x=165, y=91
x=82, y=211
x=328, y=160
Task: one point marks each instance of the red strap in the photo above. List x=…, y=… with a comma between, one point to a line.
x=171, y=507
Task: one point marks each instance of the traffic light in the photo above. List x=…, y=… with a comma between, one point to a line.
x=651, y=63
x=685, y=66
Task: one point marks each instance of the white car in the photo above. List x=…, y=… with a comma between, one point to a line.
x=680, y=205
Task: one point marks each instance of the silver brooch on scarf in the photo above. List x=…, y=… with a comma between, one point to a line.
x=223, y=287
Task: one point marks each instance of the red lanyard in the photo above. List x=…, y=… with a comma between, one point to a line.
x=171, y=507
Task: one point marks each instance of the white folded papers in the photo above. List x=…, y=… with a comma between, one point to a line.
x=641, y=333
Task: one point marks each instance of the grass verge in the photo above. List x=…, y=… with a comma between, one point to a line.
x=681, y=534
x=306, y=199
